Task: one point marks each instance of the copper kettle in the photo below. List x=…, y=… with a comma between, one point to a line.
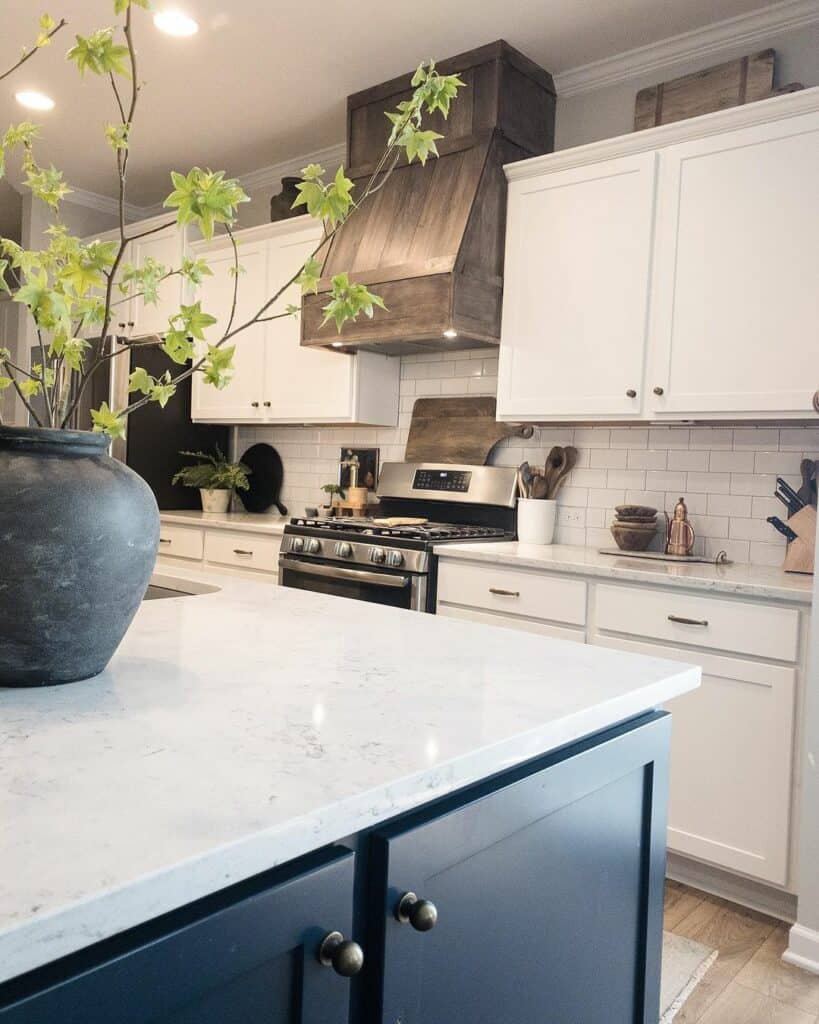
x=679, y=535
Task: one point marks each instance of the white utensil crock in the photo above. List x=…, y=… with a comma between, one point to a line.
x=536, y=520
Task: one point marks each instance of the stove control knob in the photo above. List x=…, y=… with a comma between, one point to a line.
x=344, y=550
x=378, y=555
x=297, y=544
x=313, y=546
x=395, y=559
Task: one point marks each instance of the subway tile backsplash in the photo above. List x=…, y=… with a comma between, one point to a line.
x=726, y=474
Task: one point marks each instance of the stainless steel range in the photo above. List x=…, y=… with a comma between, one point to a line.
x=389, y=559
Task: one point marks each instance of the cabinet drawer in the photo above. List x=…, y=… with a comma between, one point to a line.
x=513, y=592
x=243, y=550
x=761, y=630
x=180, y=541
x=452, y=611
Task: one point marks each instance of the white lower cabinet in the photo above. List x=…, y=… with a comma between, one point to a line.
x=276, y=379
x=248, y=553
x=731, y=762
x=733, y=739
x=551, y=605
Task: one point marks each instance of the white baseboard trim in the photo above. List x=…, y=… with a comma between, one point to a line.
x=803, y=949
x=765, y=899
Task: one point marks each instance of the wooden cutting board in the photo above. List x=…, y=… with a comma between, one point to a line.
x=457, y=430
x=726, y=85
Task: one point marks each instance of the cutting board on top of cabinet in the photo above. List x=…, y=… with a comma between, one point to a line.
x=669, y=274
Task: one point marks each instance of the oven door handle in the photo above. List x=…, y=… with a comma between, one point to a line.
x=333, y=572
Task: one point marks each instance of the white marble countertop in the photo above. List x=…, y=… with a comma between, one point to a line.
x=248, y=522
x=739, y=578
x=238, y=729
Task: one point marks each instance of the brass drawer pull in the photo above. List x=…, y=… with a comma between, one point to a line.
x=164, y=540
x=241, y=551
x=504, y=593
x=687, y=622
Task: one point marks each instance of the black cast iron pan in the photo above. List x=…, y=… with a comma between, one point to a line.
x=267, y=474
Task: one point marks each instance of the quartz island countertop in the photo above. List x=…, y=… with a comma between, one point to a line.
x=739, y=578
x=238, y=729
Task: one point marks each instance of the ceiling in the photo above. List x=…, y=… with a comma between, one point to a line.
x=263, y=83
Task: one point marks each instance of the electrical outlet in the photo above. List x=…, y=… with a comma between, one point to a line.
x=572, y=517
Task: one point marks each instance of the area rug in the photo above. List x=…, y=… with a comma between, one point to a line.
x=684, y=965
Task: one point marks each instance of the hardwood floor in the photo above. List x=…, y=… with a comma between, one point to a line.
x=748, y=983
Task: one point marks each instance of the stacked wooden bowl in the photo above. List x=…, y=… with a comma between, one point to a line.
x=634, y=527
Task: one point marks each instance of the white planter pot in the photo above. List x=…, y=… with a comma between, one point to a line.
x=215, y=501
x=536, y=520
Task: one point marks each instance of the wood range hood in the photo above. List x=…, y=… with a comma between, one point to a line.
x=431, y=241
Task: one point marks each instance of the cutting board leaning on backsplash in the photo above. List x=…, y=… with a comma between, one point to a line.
x=457, y=430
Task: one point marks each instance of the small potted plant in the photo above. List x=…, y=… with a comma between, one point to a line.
x=331, y=490
x=215, y=476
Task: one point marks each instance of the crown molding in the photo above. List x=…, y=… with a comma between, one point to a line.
x=777, y=108
x=105, y=204
x=271, y=176
x=744, y=29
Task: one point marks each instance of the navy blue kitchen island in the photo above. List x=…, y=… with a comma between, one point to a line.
x=526, y=890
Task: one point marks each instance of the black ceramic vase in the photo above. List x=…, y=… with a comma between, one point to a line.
x=78, y=540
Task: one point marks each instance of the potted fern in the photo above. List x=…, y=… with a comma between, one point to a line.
x=69, y=593
x=215, y=476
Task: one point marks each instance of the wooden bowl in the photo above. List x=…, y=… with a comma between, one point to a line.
x=633, y=536
x=629, y=511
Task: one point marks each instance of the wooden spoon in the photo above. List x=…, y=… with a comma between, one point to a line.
x=569, y=461
x=555, y=464
x=540, y=486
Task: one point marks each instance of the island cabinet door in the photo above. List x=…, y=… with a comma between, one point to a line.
x=548, y=893
x=254, y=961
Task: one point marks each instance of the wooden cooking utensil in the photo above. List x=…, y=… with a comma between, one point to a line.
x=540, y=486
x=568, y=462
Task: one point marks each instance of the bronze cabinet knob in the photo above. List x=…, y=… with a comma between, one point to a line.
x=255, y=405
x=659, y=391
x=344, y=956
x=267, y=404
x=631, y=393
x=421, y=914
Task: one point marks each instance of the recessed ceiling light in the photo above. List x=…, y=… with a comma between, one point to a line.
x=450, y=333
x=34, y=100
x=175, y=23
x=338, y=344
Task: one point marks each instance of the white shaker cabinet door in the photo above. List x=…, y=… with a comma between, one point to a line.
x=578, y=258
x=301, y=384
x=241, y=400
x=166, y=247
x=731, y=761
x=735, y=305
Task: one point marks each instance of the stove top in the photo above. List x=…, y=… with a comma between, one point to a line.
x=430, y=532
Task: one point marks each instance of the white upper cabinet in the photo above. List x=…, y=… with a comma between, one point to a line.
x=578, y=253
x=276, y=380
x=669, y=274
x=242, y=398
x=166, y=246
x=735, y=298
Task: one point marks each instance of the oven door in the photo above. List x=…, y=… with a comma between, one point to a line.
x=398, y=589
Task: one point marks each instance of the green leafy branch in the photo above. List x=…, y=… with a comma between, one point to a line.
x=48, y=29
x=68, y=287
